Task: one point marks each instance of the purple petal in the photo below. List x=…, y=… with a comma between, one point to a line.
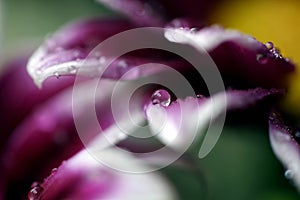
x=285, y=144
x=157, y=13
x=18, y=94
x=48, y=135
x=82, y=177
x=71, y=49
x=64, y=51
x=182, y=121
x=242, y=60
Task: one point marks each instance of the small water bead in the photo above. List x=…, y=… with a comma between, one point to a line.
x=161, y=97
x=56, y=74
x=269, y=45
x=54, y=170
x=289, y=174
x=35, y=192
x=261, y=58
x=200, y=96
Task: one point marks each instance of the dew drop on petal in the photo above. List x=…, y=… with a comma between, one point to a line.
x=161, y=97
x=54, y=170
x=269, y=45
x=56, y=74
x=288, y=174
x=35, y=192
x=200, y=96
x=261, y=58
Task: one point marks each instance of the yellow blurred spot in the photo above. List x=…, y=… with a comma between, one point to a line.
x=268, y=20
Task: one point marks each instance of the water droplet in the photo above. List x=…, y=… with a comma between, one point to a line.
x=54, y=170
x=35, y=192
x=56, y=74
x=72, y=69
x=193, y=30
x=289, y=174
x=269, y=45
x=261, y=58
x=200, y=96
x=161, y=97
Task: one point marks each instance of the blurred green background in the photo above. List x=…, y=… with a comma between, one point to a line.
x=241, y=166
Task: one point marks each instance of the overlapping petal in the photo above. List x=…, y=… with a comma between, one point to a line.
x=19, y=95
x=286, y=145
x=179, y=124
x=239, y=57
x=83, y=177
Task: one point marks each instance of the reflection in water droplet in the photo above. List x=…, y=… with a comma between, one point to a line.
x=56, y=74
x=269, y=45
x=288, y=174
x=200, y=96
x=35, y=192
x=54, y=170
x=261, y=58
x=161, y=97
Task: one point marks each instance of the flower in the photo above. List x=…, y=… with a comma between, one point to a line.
x=255, y=72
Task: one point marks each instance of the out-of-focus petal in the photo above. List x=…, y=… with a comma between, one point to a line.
x=183, y=120
x=157, y=13
x=49, y=134
x=285, y=141
x=83, y=177
x=18, y=94
x=242, y=60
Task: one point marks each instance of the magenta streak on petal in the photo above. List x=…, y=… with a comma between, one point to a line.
x=18, y=94
x=82, y=177
x=178, y=123
x=242, y=60
x=285, y=146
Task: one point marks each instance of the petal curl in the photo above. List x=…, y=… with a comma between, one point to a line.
x=82, y=177
x=242, y=60
x=183, y=121
x=63, y=52
x=286, y=145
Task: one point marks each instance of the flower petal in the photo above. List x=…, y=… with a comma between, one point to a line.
x=49, y=134
x=19, y=95
x=286, y=146
x=157, y=13
x=179, y=124
x=82, y=177
x=63, y=52
x=242, y=60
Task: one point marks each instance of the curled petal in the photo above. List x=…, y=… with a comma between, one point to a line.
x=83, y=177
x=285, y=144
x=64, y=51
x=242, y=60
x=182, y=121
